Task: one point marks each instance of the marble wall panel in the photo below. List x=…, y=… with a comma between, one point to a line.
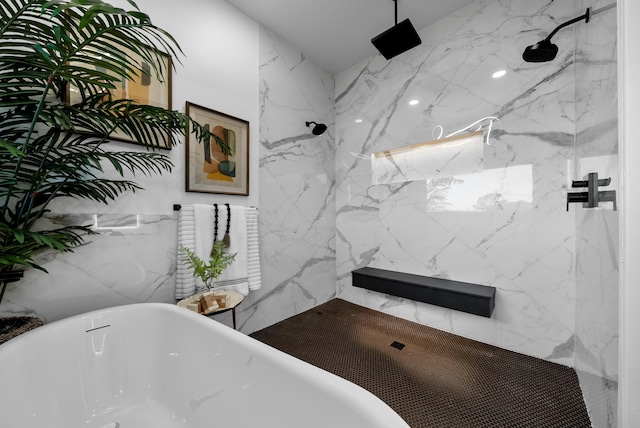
x=132, y=259
x=520, y=241
x=297, y=186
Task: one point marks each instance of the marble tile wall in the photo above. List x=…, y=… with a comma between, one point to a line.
x=297, y=186
x=504, y=224
x=132, y=260
x=597, y=229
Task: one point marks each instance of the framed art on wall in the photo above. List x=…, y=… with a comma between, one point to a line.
x=208, y=168
x=144, y=89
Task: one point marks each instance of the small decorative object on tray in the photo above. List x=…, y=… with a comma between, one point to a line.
x=208, y=302
x=201, y=303
x=195, y=307
x=208, y=271
x=219, y=300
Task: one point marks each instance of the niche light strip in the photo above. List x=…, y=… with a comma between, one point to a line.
x=131, y=226
x=446, y=142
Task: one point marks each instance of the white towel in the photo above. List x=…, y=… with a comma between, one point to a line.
x=253, y=248
x=185, y=282
x=235, y=276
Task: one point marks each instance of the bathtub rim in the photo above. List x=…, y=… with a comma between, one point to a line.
x=362, y=401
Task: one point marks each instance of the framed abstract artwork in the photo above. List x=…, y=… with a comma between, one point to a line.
x=144, y=89
x=208, y=168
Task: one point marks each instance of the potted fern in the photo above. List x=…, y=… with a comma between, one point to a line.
x=208, y=272
x=50, y=148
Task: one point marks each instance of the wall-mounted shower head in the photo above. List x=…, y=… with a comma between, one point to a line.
x=544, y=50
x=318, y=129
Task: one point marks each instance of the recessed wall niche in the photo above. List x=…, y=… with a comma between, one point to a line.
x=453, y=173
x=458, y=155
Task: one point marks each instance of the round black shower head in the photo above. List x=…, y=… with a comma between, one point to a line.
x=542, y=51
x=318, y=129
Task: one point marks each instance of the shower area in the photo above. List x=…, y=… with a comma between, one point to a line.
x=501, y=216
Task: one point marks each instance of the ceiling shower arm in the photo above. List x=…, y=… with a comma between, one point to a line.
x=395, y=2
x=397, y=39
x=573, y=21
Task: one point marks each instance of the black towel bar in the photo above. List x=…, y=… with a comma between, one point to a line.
x=178, y=207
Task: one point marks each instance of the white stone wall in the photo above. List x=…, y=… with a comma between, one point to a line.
x=516, y=235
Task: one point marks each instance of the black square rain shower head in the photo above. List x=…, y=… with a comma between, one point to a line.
x=397, y=39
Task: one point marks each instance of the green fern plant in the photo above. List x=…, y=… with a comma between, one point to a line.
x=50, y=149
x=209, y=271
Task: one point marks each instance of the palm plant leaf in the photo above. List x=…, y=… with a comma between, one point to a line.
x=27, y=243
x=51, y=149
x=78, y=42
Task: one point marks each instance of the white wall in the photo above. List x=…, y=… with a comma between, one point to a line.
x=629, y=105
x=219, y=70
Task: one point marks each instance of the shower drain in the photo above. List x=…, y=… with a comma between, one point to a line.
x=397, y=345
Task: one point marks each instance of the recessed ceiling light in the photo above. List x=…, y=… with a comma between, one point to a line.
x=499, y=73
x=358, y=120
x=414, y=102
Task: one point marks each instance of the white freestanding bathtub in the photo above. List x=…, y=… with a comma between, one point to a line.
x=161, y=366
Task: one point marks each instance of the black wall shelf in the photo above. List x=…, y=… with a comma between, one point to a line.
x=462, y=296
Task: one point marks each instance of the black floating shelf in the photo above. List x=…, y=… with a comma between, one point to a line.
x=462, y=296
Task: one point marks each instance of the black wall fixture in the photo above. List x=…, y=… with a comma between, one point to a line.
x=462, y=296
x=544, y=50
x=318, y=128
x=592, y=197
x=397, y=39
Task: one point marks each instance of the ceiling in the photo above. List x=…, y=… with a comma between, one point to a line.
x=337, y=34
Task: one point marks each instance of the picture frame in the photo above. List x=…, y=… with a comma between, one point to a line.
x=208, y=170
x=146, y=88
